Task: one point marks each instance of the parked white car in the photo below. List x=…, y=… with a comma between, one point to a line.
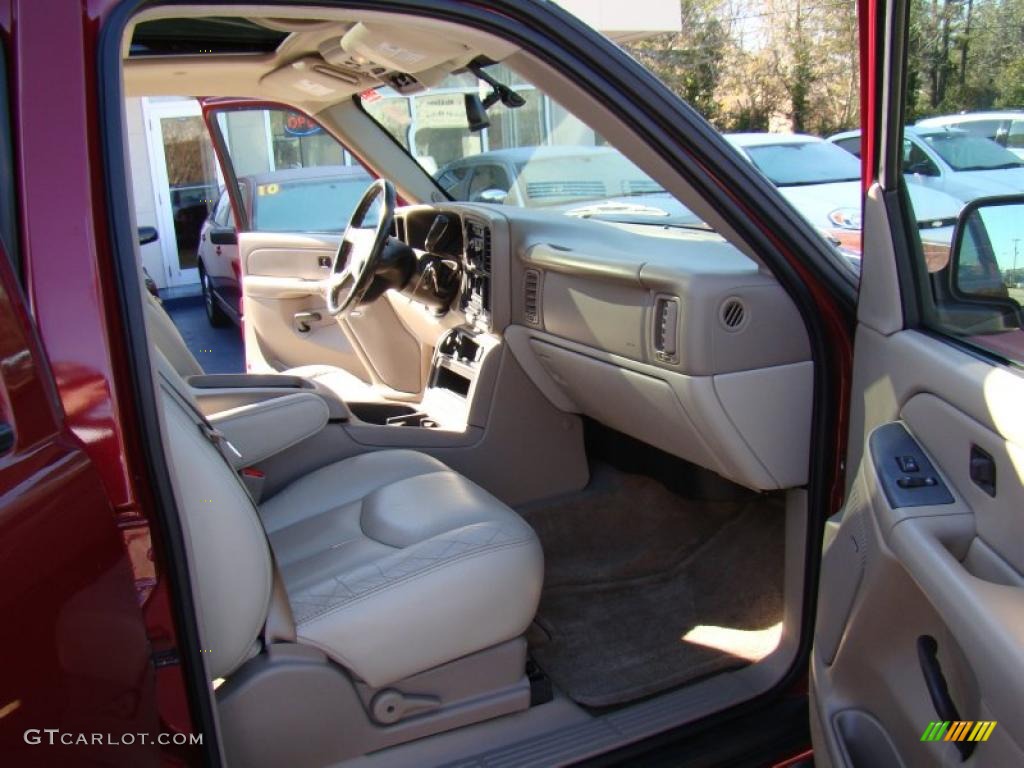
x=1005, y=128
x=824, y=184
x=953, y=161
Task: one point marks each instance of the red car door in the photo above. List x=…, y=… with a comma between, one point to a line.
x=77, y=684
x=76, y=660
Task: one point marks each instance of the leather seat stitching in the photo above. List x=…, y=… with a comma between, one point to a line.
x=409, y=577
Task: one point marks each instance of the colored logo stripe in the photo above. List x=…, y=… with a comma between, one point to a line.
x=959, y=730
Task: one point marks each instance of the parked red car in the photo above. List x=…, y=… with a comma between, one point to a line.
x=500, y=486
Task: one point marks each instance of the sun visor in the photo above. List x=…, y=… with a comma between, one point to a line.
x=315, y=80
x=407, y=49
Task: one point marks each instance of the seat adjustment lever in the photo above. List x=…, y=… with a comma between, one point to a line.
x=389, y=706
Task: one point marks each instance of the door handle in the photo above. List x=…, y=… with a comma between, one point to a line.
x=938, y=689
x=983, y=470
x=304, y=320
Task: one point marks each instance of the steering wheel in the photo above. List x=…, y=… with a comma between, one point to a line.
x=360, y=251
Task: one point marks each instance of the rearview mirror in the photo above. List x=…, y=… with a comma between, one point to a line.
x=148, y=235
x=987, y=261
x=476, y=115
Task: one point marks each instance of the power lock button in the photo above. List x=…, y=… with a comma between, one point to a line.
x=908, y=464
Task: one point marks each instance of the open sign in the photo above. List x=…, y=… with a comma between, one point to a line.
x=296, y=124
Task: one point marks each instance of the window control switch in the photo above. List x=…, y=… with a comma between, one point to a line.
x=916, y=482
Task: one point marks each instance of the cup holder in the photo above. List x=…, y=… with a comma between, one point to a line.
x=390, y=414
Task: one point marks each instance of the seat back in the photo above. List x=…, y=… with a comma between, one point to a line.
x=228, y=555
x=165, y=335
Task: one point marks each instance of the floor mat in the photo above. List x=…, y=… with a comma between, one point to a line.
x=646, y=590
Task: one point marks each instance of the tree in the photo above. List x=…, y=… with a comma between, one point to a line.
x=690, y=61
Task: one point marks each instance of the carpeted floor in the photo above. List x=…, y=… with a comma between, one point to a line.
x=632, y=568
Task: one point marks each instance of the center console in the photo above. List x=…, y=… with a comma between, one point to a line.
x=448, y=399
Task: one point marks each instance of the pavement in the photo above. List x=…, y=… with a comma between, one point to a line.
x=218, y=350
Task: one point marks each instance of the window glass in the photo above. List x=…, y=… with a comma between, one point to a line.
x=293, y=176
x=488, y=177
x=962, y=76
x=323, y=204
x=793, y=164
x=851, y=145
x=916, y=160
x=788, y=69
x=1015, y=136
x=531, y=148
x=964, y=152
x=222, y=214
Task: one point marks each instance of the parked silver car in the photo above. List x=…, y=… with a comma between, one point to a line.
x=1005, y=127
x=953, y=161
x=603, y=184
x=824, y=184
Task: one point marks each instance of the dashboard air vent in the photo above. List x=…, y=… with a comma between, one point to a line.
x=487, y=250
x=531, y=296
x=733, y=314
x=666, y=328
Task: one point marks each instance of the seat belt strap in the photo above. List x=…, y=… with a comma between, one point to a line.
x=217, y=438
x=279, y=626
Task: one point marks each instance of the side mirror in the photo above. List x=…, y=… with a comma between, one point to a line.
x=148, y=235
x=493, y=196
x=223, y=236
x=987, y=258
x=476, y=115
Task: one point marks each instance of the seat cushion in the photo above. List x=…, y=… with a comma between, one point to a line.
x=395, y=564
x=347, y=386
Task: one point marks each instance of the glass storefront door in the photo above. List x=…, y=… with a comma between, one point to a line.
x=186, y=181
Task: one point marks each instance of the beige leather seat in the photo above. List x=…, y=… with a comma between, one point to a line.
x=165, y=335
x=393, y=564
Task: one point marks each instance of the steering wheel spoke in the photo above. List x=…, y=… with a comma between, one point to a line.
x=360, y=251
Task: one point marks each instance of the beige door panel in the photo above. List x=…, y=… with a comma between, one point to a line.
x=390, y=342
x=280, y=279
x=953, y=571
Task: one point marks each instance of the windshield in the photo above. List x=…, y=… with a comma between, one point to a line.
x=317, y=205
x=964, y=152
x=792, y=164
x=580, y=174
x=536, y=155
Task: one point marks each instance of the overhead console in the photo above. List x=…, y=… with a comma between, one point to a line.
x=366, y=56
x=675, y=338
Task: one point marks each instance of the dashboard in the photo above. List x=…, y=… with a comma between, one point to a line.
x=462, y=237
x=672, y=336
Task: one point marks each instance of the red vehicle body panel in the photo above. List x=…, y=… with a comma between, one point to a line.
x=75, y=511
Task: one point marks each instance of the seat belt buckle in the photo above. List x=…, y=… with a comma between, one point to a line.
x=253, y=479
